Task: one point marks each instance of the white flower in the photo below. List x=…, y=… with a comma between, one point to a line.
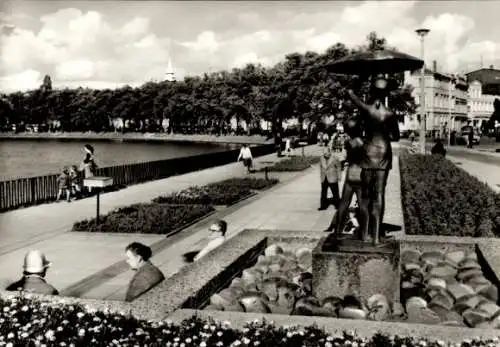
x=49, y=334
x=246, y=340
x=10, y=336
x=228, y=323
x=329, y=338
x=188, y=340
x=6, y=309
x=256, y=343
x=59, y=328
x=328, y=344
x=24, y=335
x=81, y=332
x=423, y=343
x=24, y=308
x=80, y=314
x=10, y=344
x=203, y=344
x=219, y=333
x=237, y=343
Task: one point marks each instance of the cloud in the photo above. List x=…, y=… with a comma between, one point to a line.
x=95, y=49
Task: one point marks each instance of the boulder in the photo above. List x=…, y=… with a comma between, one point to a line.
x=235, y=307
x=465, y=274
x=410, y=256
x=332, y=303
x=219, y=301
x=445, y=272
x=466, y=302
x=253, y=303
x=263, y=260
x=269, y=287
x=436, y=283
x=489, y=291
x=411, y=266
x=351, y=313
x=378, y=307
x=422, y=315
x=473, y=317
x=469, y=264
x=277, y=259
x=441, y=311
x=250, y=276
x=431, y=258
x=490, y=307
x=310, y=306
x=416, y=301
x=442, y=299
x=471, y=255
x=398, y=310
x=274, y=267
x=273, y=250
x=304, y=257
x=236, y=291
x=455, y=257
x=212, y=307
x=264, y=269
x=459, y=290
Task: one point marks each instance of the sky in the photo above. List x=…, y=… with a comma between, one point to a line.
x=107, y=44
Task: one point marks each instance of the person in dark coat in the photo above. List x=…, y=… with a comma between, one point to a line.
x=438, y=148
x=146, y=274
x=34, y=272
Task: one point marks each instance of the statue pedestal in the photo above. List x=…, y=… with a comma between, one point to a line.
x=346, y=266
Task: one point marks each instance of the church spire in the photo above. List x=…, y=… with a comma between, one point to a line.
x=170, y=74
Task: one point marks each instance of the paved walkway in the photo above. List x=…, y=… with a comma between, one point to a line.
x=488, y=173
x=78, y=255
x=292, y=206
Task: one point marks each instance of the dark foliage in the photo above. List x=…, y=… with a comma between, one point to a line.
x=441, y=199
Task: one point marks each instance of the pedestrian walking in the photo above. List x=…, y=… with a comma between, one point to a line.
x=88, y=165
x=330, y=172
x=246, y=156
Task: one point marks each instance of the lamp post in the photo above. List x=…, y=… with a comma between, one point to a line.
x=422, y=33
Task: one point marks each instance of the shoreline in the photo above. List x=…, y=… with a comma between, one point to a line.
x=227, y=139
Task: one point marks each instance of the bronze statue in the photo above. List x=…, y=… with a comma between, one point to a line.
x=381, y=127
x=352, y=183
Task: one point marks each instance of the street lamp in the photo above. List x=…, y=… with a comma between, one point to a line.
x=422, y=33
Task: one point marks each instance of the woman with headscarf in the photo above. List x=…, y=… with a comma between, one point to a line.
x=88, y=165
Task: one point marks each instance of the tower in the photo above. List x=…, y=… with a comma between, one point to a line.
x=170, y=74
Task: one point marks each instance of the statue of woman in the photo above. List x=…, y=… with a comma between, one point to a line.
x=380, y=126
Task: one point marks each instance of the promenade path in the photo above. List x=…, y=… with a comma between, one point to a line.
x=292, y=205
x=78, y=255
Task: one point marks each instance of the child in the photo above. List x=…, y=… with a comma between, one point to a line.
x=64, y=185
x=75, y=181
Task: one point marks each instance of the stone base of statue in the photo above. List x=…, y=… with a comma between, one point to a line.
x=347, y=266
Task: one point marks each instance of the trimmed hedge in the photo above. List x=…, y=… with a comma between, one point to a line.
x=152, y=218
x=225, y=192
x=297, y=163
x=441, y=199
x=28, y=322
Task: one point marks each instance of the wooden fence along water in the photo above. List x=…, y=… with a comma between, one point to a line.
x=41, y=189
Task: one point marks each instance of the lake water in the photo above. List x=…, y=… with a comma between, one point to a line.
x=26, y=158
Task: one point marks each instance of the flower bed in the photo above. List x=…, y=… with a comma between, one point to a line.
x=225, y=192
x=152, y=218
x=441, y=199
x=298, y=163
x=26, y=322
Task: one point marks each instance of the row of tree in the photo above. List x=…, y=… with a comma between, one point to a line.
x=298, y=87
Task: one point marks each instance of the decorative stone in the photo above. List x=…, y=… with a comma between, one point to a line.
x=441, y=311
x=263, y=260
x=352, y=313
x=431, y=258
x=473, y=317
x=422, y=315
x=444, y=272
x=466, y=274
x=416, y=302
x=459, y=290
x=471, y=256
x=212, y=307
x=469, y=264
x=455, y=257
x=490, y=307
x=332, y=303
x=410, y=256
x=273, y=250
x=489, y=291
x=236, y=307
x=304, y=257
x=411, y=266
x=379, y=308
x=436, y=283
x=466, y=303
x=477, y=281
x=277, y=259
x=442, y=299
x=253, y=303
x=398, y=310
x=274, y=267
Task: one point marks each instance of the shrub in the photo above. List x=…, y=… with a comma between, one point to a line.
x=225, y=192
x=441, y=199
x=298, y=163
x=28, y=322
x=152, y=218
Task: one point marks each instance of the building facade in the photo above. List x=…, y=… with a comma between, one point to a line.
x=489, y=79
x=445, y=102
x=480, y=105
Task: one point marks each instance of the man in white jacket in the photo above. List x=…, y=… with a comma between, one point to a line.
x=246, y=155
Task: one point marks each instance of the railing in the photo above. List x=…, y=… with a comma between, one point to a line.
x=41, y=189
